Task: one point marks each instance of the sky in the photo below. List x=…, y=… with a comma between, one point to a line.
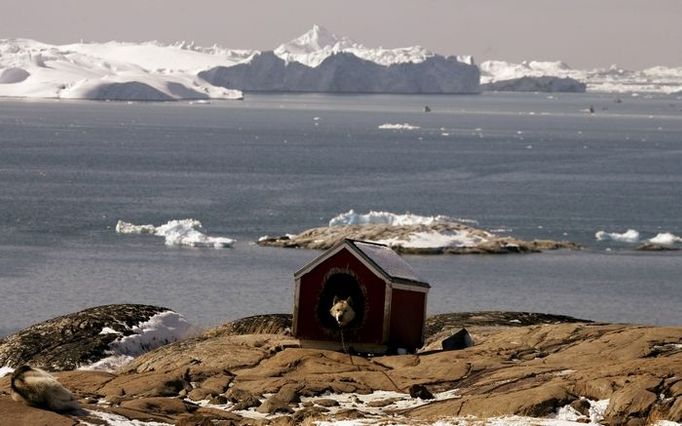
x=634, y=34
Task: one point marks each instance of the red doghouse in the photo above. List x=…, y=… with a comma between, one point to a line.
x=388, y=299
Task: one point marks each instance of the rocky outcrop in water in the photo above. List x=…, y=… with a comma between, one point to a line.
x=72, y=340
x=478, y=241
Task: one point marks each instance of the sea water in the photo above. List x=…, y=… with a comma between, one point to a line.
x=529, y=165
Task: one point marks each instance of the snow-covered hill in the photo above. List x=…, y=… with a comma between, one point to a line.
x=612, y=79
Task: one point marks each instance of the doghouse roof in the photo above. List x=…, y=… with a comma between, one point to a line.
x=379, y=257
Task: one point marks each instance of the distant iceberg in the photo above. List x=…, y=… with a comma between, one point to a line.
x=344, y=72
x=107, y=71
x=614, y=79
x=629, y=236
x=185, y=232
x=665, y=239
x=536, y=84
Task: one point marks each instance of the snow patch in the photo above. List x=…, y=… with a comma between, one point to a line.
x=5, y=371
x=435, y=239
x=398, y=126
x=185, y=232
x=111, y=419
x=161, y=329
x=629, y=236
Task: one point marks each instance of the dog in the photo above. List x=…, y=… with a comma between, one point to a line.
x=38, y=388
x=342, y=311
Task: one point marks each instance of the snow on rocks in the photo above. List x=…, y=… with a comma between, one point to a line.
x=86, y=337
x=185, y=232
x=161, y=329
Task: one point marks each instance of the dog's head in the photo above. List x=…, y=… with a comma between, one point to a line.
x=342, y=311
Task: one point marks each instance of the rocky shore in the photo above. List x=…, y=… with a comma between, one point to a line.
x=252, y=372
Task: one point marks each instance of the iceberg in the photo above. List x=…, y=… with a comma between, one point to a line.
x=665, y=239
x=629, y=236
x=320, y=61
x=108, y=71
x=343, y=72
x=185, y=232
x=496, y=74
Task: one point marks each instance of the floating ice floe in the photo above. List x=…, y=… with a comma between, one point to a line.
x=665, y=239
x=183, y=232
x=387, y=218
x=629, y=236
x=161, y=329
x=398, y=126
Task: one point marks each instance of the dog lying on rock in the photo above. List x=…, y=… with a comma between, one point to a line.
x=38, y=388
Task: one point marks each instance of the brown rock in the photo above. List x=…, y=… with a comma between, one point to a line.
x=383, y=402
x=14, y=413
x=218, y=400
x=308, y=412
x=151, y=384
x=326, y=402
x=676, y=388
x=273, y=405
x=216, y=384
x=582, y=406
x=157, y=405
x=420, y=391
x=630, y=403
x=349, y=414
x=246, y=404
x=236, y=394
x=199, y=394
x=288, y=394
x=675, y=413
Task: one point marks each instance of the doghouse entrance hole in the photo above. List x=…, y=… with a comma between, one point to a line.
x=343, y=286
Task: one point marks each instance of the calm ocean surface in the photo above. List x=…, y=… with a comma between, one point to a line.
x=535, y=165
